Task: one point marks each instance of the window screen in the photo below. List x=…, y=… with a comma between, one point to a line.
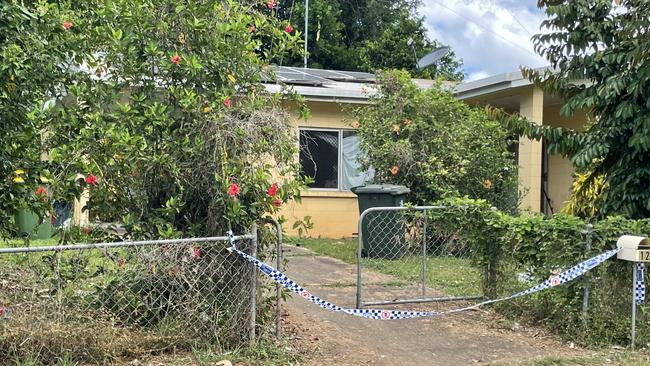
x=319, y=157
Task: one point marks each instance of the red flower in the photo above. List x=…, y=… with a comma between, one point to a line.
x=233, y=190
x=273, y=190
x=67, y=25
x=196, y=252
x=277, y=202
x=2, y=311
x=227, y=102
x=271, y=4
x=41, y=191
x=252, y=29
x=92, y=179
x=288, y=28
x=176, y=59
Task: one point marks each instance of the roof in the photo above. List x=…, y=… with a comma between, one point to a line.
x=491, y=84
x=322, y=85
x=328, y=85
x=357, y=87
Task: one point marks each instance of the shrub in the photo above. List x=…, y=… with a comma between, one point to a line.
x=507, y=247
x=435, y=144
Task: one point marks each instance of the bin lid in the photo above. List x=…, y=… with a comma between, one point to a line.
x=392, y=189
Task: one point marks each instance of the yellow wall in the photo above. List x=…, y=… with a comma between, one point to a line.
x=531, y=106
x=560, y=169
x=334, y=214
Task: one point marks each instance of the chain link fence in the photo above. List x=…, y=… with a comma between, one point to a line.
x=406, y=256
x=103, y=302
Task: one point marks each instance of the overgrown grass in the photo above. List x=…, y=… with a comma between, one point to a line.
x=453, y=276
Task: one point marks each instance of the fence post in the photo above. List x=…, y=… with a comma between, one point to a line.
x=424, y=255
x=278, y=288
x=585, y=295
x=253, y=293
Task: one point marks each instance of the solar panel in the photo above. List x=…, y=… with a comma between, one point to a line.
x=318, y=76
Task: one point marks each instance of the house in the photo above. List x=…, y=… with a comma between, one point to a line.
x=329, y=145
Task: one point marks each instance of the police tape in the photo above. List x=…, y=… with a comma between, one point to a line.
x=639, y=284
x=380, y=314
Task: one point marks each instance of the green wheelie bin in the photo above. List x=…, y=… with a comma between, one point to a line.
x=382, y=232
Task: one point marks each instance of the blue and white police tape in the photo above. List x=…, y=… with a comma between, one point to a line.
x=279, y=277
x=639, y=284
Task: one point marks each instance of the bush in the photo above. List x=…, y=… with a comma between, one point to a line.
x=507, y=247
x=435, y=144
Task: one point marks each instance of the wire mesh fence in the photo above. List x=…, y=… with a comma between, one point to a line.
x=406, y=256
x=105, y=301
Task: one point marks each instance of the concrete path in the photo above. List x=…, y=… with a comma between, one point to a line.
x=462, y=339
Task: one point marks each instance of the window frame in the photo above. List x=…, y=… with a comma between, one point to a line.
x=339, y=156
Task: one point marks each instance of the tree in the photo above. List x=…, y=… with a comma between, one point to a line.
x=434, y=144
x=160, y=111
x=365, y=35
x=599, y=52
x=391, y=50
x=32, y=50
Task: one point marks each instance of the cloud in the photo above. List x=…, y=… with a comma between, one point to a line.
x=486, y=34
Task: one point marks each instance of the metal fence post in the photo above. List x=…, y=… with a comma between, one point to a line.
x=424, y=255
x=585, y=295
x=359, y=252
x=253, y=293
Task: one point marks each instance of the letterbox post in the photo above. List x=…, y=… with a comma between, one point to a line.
x=634, y=249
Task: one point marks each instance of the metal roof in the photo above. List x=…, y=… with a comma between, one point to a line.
x=491, y=84
x=328, y=85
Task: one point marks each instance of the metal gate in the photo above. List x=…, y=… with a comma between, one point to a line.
x=406, y=255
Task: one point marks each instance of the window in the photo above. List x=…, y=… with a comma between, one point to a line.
x=330, y=158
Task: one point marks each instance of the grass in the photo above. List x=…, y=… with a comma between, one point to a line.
x=627, y=358
x=453, y=276
x=11, y=243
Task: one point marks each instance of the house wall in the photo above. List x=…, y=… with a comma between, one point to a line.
x=531, y=106
x=334, y=214
x=560, y=169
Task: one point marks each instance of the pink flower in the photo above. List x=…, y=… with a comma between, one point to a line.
x=92, y=179
x=271, y=4
x=176, y=59
x=273, y=190
x=227, y=102
x=233, y=190
x=2, y=311
x=288, y=28
x=394, y=170
x=67, y=25
x=196, y=252
x=277, y=202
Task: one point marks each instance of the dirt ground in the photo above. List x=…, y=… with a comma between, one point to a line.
x=476, y=337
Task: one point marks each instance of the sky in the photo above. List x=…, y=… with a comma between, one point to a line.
x=490, y=36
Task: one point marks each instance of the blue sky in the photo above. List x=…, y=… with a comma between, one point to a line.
x=491, y=36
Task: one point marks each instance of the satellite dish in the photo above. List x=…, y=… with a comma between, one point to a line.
x=432, y=57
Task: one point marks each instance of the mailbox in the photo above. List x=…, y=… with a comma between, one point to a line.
x=633, y=248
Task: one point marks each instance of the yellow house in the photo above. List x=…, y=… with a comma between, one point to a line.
x=329, y=147
x=544, y=180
